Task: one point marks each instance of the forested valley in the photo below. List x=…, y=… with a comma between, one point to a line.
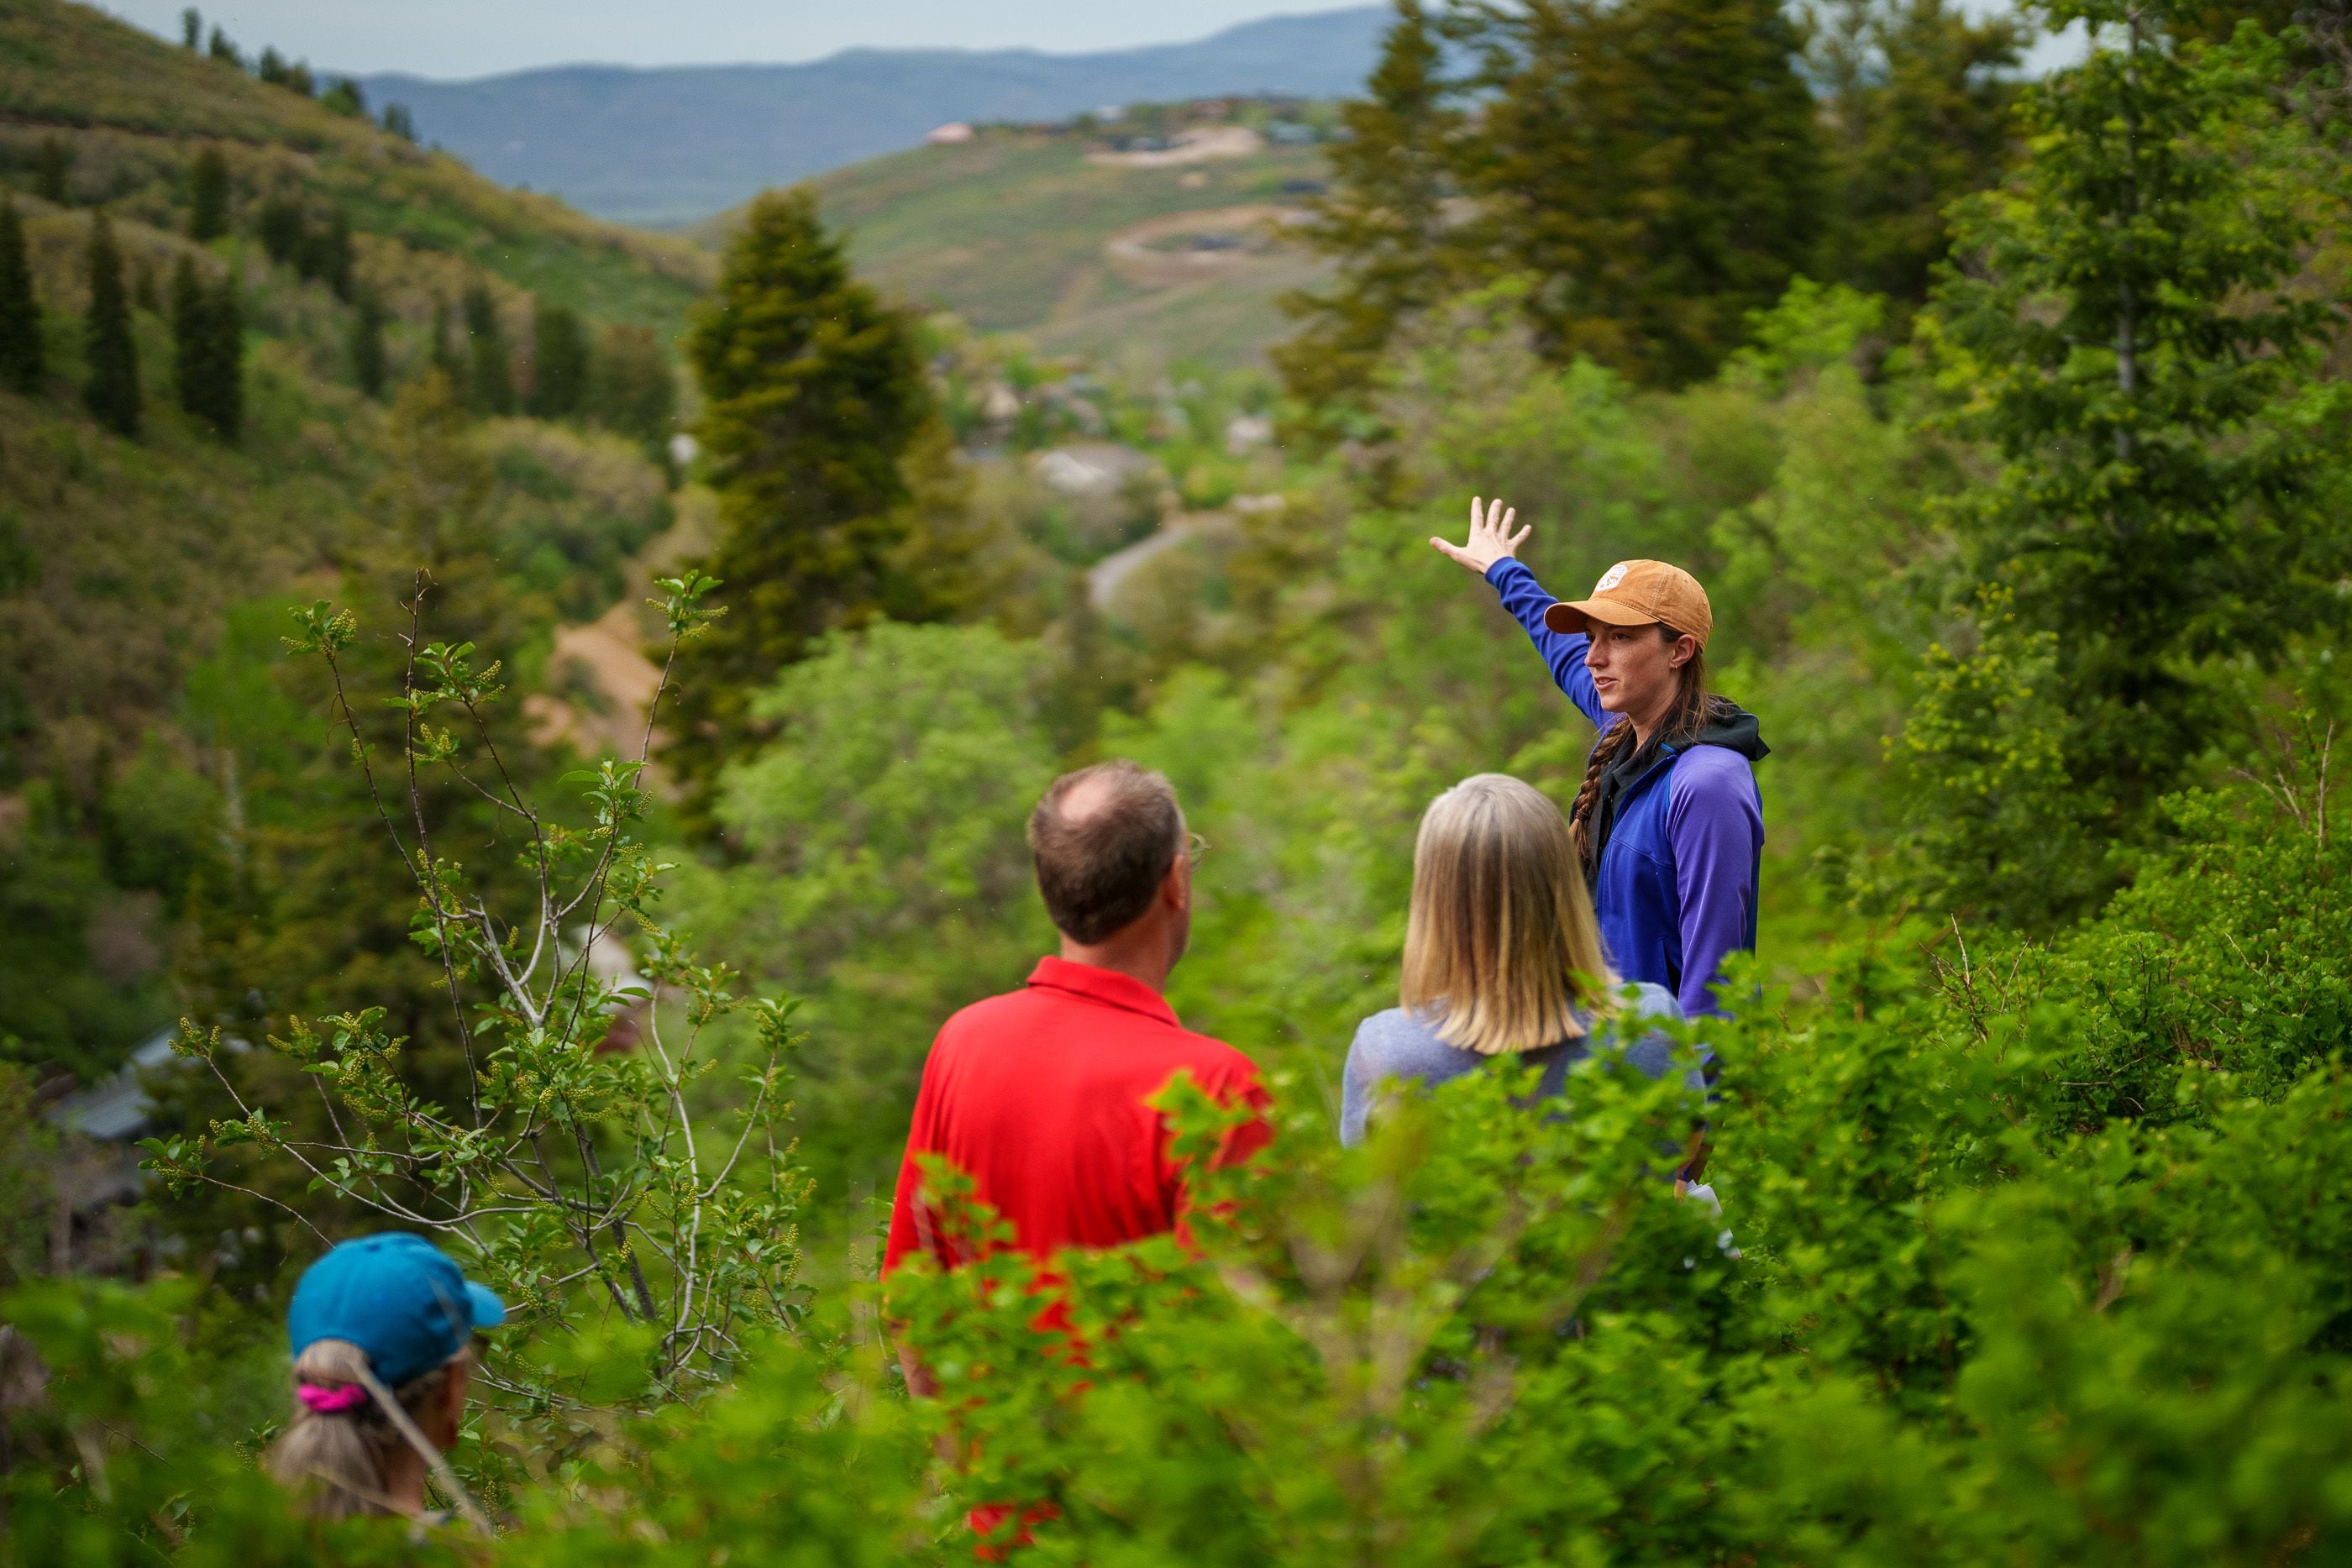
x=520, y=729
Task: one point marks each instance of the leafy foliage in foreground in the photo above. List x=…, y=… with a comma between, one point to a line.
x=1949, y=1314
x=574, y=1163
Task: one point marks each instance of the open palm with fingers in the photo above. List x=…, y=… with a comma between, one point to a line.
x=1491, y=538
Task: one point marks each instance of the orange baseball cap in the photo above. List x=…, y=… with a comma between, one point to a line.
x=1639, y=594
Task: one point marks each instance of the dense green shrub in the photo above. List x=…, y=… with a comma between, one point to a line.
x=1947, y=1316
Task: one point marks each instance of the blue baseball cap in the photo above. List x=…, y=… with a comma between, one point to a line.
x=397, y=1297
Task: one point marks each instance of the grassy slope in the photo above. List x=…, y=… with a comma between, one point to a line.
x=139, y=542
x=1009, y=231
x=122, y=563
x=135, y=110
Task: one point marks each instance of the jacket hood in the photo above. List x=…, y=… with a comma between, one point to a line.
x=1734, y=728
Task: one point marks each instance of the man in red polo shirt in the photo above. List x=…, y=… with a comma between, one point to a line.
x=1039, y=1095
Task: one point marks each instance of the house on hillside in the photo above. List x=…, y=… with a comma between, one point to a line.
x=95, y=1172
x=1091, y=468
x=1246, y=432
x=949, y=135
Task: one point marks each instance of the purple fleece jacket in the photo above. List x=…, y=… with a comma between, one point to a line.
x=1675, y=888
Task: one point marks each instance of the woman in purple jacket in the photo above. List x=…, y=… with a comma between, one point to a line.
x=1667, y=823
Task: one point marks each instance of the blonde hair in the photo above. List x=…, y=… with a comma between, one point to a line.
x=1500, y=946
x=334, y=1461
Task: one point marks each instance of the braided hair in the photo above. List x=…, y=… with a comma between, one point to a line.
x=1690, y=712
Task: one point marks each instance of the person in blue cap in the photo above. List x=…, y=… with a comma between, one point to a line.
x=383, y=1334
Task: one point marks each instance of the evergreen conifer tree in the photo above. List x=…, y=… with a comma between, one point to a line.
x=444, y=349
x=367, y=344
x=1921, y=100
x=631, y=388
x=490, y=379
x=23, y=358
x=209, y=349
x=191, y=29
x=222, y=50
x=112, y=387
x=225, y=401
x=1384, y=221
x=2133, y=343
x=1653, y=165
x=325, y=254
x=52, y=161
x=559, y=362
x=398, y=122
x=812, y=394
x=281, y=230
x=208, y=195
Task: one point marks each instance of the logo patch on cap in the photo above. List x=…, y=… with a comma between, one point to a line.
x=1611, y=579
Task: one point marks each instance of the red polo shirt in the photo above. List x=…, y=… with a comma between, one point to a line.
x=1039, y=1096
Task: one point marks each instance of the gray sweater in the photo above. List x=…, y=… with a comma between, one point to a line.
x=1398, y=1044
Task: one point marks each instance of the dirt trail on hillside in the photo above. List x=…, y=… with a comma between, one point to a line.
x=600, y=678
x=1254, y=233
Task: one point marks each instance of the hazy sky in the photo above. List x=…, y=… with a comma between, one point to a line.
x=481, y=37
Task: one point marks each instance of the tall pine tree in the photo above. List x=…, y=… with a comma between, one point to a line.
x=325, y=254
x=208, y=195
x=209, y=349
x=631, y=388
x=490, y=376
x=2136, y=342
x=812, y=394
x=366, y=342
x=282, y=229
x=1921, y=102
x=52, y=161
x=23, y=357
x=111, y=386
x=559, y=362
x=1384, y=222
x=226, y=407
x=444, y=355
x=1653, y=165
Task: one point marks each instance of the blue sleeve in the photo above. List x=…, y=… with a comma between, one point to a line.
x=1714, y=823
x=1653, y=1051
x=1524, y=596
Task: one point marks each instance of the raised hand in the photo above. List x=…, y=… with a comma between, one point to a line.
x=1491, y=538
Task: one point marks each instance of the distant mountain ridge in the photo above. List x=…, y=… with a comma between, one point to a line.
x=665, y=145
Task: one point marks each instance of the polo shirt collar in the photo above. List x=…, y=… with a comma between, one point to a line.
x=1103, y=986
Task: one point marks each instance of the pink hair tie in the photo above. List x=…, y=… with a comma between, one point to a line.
x=330, y=1401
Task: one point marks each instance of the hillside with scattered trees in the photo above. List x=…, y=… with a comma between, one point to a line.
x=246, y=327
x=2005, y=423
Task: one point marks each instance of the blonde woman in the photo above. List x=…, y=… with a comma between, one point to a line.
x=1502, y=956
x=383, y=1331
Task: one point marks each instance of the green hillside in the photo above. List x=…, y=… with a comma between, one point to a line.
x=144, y=579
x=1033, y=233
x=134, y=111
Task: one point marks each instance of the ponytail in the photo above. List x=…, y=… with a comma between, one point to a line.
x=335, y=1452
